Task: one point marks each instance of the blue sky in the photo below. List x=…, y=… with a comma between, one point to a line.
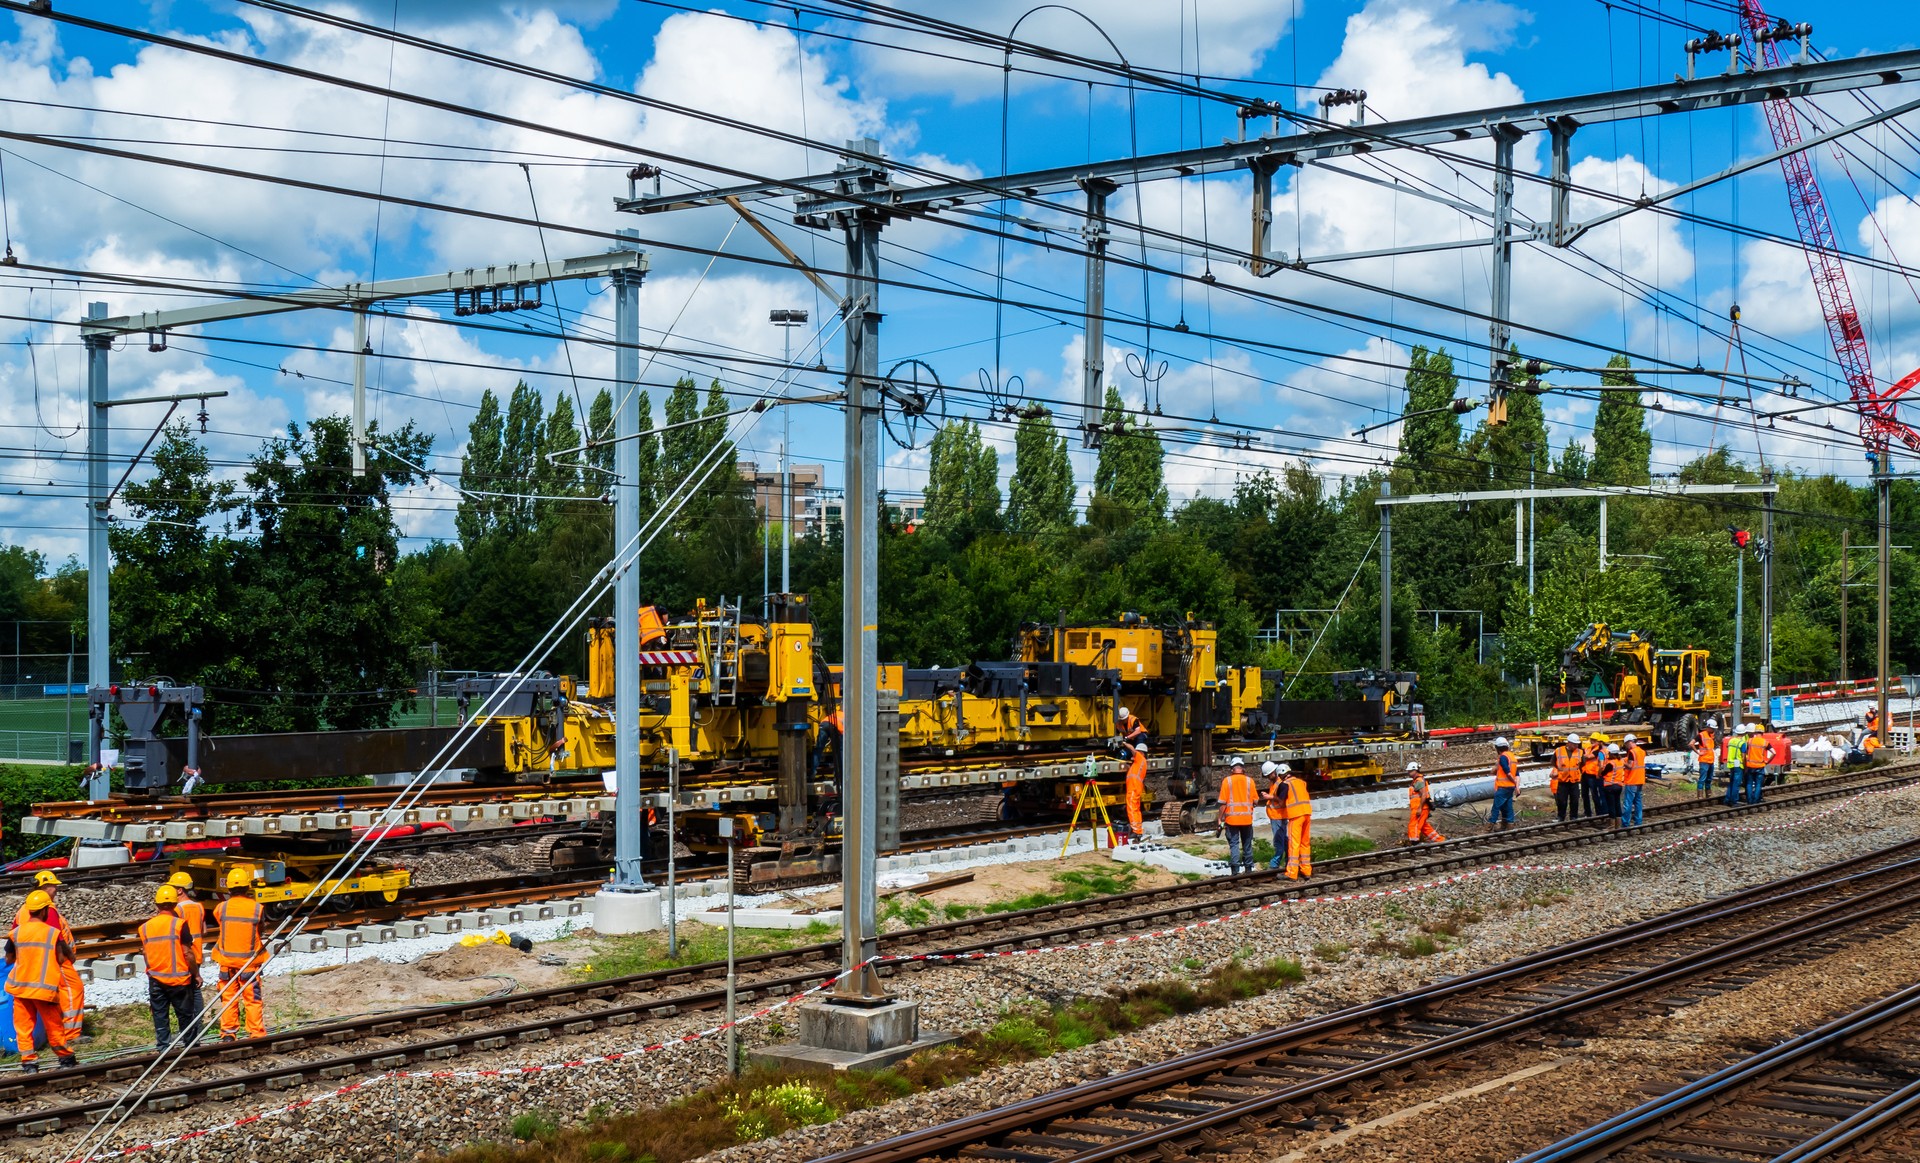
x=937, y=105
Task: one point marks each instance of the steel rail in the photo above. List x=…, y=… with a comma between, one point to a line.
x=1756, y=1074
x=1084, y=921
x=1210, y=1125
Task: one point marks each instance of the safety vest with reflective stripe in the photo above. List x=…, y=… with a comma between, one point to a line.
x=53, y=918
x=1636, y=765
x=166, y=945
x=1591, y=758
x=1567, y=759
x=1754, y=755
x=1298, y=805
x=194, y=915
x=1276, y=799
x=1137, y=778
x=1237, y=794
x=1704, y=747
x=1613, y=772
x=1418, y=797
x=36, y=961
x=238, y=921
x=1503, y=771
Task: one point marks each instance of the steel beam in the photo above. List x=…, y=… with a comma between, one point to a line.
x=99, y=557
x=353, y=296
x=629, y=818
x=1386, y=503
x=1678, y=96
x=1499, y=327
x=1594, y=491
x=1093, y=359
x=860, y=580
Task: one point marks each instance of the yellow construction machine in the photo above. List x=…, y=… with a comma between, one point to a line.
x=1667, y=691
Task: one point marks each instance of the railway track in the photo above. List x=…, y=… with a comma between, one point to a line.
x=295, y=1057
x=1827, y=1094
x=1250, y=1092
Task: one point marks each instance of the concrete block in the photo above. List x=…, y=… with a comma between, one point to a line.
x=375, y=934
x=619, y=911
x=35, y=826
x=574, y=908
x=543, y=913
x=221, y=826
x=261, y=825
x=109, y=969
x=444, y=925
x=766, y=918
x=477, y=919
x=496, y=811
x=406, y=930
x=186, y=830
x=514, y=916
x=846, y=1037
x=85, y=829
x=304, y=943
x=86, y=973
x=342, y=938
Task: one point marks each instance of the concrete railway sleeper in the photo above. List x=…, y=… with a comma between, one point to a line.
x=1216, y=1100
x=663, y=993
x=1826, y=1094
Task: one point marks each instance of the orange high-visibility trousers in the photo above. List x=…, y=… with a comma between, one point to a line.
x=1299, y=848
x=25, y=1011
x=240, y=998
x=1420, y=825
x=72, y=1001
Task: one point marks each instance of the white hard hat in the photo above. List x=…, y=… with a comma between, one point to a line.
x=1236, y=761
x=1139, y=748
x=1269, y=768
x=1613, y=749
x=1500, y=741
x=1283, y=769
x=1574, y=739
x=1713, y=720
x=1632, y=738
x=1413, y=765
x=1121, y=713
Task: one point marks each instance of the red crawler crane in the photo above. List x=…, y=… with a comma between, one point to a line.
x=1879, y=410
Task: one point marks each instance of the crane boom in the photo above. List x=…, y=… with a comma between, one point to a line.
x=1879, y=411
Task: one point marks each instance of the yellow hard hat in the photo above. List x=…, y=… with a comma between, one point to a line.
x=240, y=878
x=45, y=879
x=1596, y=737
x=37, y=900
x=180, y=880
x=166, y=894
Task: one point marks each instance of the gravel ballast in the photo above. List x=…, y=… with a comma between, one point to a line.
x=1521, y=913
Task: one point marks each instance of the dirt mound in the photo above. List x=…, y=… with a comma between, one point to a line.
x=464, y=961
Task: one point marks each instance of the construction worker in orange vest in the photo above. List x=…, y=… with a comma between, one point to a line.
x=1131, y=729
x=1299, y=809
x=1137, y=792
x=173, y=967
x=1237, y=796
x=1593, y=797
x=191, y=911
x=1565, y=781
x=1706, y=749
x=1613, y=776
x=1633, y=784
x=73, y=990
x=1420, y=827
x=1276, y=804
x=37, y=954
x=241, y=954
x=1754, y=760
x=1506, y=781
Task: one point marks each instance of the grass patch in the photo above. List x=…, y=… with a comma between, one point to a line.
x=645, y=952
x=1334, y=847
x=762, y=1103
x=1332, y=952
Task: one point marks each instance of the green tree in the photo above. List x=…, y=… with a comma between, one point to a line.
x=1429, y=443
x=963, y=480
x=480, y=472
x=1040, y=492
x=1129, y=478
x=1622, y=446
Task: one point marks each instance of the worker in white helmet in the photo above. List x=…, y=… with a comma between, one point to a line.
x=1129, y=727
x=1564, y=781
x=1506, y=782
x=1706, y=749
x=1274, y=775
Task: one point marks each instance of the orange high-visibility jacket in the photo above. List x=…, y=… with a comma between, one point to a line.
x=1503, y=771
x=237, y=942
x=1137, y=779
x=1705, y=748
x=1593, y=757
x=1297, y=803
x=36, y=961
x=1237, y=794
x=168, y=947
x=1636, y=765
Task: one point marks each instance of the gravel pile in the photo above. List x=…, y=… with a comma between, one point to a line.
x=1520, y=914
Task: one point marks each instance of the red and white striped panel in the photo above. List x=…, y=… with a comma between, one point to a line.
x=668, y=658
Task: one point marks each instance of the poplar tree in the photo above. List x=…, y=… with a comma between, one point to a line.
x=1130, y=475
x=1040, y=492
x=1429, y=443
x=1622, y=446
x=963, y=479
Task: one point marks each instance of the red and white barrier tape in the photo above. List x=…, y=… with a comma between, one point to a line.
x=982, y=955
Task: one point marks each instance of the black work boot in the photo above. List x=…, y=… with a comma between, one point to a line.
x=29, y=1068
x=67, y=1061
